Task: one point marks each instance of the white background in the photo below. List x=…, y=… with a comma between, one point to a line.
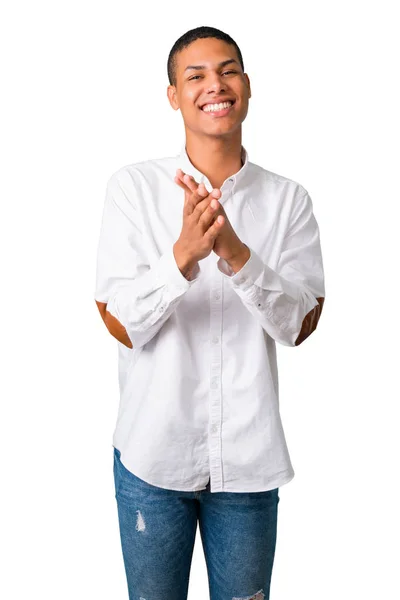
x=84, y=93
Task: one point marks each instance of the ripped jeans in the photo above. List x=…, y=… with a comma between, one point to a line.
x=158, y=530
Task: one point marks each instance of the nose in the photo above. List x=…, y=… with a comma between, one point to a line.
x=215, y=84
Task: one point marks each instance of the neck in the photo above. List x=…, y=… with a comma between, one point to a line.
x=216, y=158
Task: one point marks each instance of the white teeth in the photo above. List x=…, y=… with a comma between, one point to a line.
x=215, y=107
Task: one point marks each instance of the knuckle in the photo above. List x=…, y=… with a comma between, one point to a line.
x=198, y=210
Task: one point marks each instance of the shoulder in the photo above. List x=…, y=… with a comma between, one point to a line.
x=276, y=181
x=139, y=173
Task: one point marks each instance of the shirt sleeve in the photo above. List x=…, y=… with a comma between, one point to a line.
x=140, y=295
x=287, y=301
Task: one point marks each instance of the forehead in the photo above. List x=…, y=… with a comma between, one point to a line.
x=207, y=51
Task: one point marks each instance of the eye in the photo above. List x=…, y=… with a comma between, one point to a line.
x=224, y=73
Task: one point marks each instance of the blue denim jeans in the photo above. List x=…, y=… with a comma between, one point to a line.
x=158, y=529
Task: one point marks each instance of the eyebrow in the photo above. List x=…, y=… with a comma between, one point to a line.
x=221, y=64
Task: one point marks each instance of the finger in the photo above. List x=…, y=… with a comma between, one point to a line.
x=187, y=179
x=216, y=193
x=179, y=181
x=209, y=215
x=190, y=181
x=205, y=204
x=202, y=190
x=183, y=186
x=191, y=198
x=198, y=193
x=181, y=174
x=215, y=228
x=202, y=197
x=188, y=205
x=195, y=194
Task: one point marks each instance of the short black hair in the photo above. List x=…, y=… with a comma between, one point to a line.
x=190, y=36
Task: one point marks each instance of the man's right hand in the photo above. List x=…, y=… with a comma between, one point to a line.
x=198, y=234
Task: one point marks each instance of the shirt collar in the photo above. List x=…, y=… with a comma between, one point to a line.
x=231, y=182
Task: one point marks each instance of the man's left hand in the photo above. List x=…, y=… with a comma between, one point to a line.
x=227, y=244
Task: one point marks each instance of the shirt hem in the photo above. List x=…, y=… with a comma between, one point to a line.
x=277, y=481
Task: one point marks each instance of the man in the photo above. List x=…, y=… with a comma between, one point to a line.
x=205, y=261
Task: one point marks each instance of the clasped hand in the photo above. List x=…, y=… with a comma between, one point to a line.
x=227, y=244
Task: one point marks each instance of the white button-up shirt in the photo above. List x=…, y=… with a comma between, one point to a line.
x=199, y=395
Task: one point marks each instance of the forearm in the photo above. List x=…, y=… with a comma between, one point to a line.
x=288, y=310
x=136, y=310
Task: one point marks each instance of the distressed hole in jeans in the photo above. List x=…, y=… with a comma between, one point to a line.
x=140, y=524
x=258, y=596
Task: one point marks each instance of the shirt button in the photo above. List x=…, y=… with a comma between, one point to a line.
x=214, y=385
x=230, y=179
x=215, y=339
x=217, y=296
x=214, y=428
x=241, y=279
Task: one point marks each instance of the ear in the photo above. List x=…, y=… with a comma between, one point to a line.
x=248, y=83
x=172, y=97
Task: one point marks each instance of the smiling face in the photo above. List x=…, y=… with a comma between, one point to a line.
x=208, y=72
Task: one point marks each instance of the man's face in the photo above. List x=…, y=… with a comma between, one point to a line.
x=213, y=83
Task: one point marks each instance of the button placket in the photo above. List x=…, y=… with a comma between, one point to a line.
x=215, y=412
x=215, y=392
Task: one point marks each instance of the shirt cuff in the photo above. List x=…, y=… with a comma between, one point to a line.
x=254, y=271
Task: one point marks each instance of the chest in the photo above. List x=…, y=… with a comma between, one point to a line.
x=259, y=220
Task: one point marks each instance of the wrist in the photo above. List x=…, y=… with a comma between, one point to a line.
x=184, y=262
x=239, y=258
